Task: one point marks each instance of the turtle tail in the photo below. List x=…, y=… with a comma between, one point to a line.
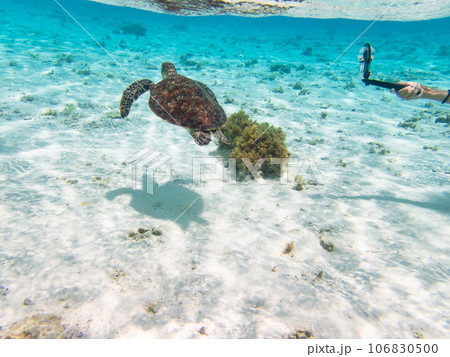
x=132, y=93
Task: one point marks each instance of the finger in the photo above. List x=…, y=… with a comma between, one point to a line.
x=411, y=95
x=404, y=91
x=407, y=83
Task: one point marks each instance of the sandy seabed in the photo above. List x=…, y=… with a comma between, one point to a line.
x=68, y=201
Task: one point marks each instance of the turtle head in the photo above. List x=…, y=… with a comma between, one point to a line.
x=167, y=69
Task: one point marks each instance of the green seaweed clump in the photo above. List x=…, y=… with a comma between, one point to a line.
x=434, y=148
x=300, y=335
x=374, y=146
x=68, y=109
x=64, y=58
x=27, y=98
x=251, y=63
x=307, y=51
x=280, y=68
x=443, y=120
x=134, y=29
x=279, y=89
x=153, y=307
x=444, y=51
x=298, y=85
x=410, y=124
x=289, y=248
x=185, y=60
x=253, y=141
x=328, y=246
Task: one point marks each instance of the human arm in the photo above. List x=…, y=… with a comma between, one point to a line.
x=416, y=91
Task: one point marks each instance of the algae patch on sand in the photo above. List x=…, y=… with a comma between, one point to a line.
x=40, y=326
x=253, y=143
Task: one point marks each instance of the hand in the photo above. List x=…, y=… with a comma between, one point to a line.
x=412, y=91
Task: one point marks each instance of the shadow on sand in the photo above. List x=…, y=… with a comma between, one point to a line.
x=167, y=202
x=436, y=202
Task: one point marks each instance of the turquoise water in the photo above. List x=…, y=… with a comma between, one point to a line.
x=69, y=199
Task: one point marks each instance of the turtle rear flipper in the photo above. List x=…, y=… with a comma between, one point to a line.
x=219, y=135
x=132, y=93
x=201, y=137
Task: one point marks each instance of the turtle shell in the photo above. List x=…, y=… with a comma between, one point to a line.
x=191, y=104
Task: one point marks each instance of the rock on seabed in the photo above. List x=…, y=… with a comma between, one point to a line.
x=39, y=326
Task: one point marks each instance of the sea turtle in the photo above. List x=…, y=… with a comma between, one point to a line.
x=181, y=101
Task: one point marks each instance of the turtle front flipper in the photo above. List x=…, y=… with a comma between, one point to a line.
x=219, y=135
x=132, y=93
x=201, y=137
